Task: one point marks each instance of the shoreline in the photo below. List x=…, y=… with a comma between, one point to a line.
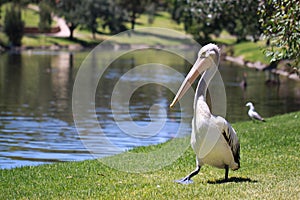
x=261, y=67
x=79, y=47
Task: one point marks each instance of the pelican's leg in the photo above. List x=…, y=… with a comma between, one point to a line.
x=226, y=172
x=187, y=179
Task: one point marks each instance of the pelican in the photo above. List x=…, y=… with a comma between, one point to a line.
x=213, y=139
x=253, y=114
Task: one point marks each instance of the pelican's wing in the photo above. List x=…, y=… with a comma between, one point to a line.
x=230, y=136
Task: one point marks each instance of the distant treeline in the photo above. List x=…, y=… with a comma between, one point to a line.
x=276, y=20
x=202, y=18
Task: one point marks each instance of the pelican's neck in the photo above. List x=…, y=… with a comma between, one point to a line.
x=204, y=83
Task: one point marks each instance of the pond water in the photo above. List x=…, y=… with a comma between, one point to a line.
x=36, y=118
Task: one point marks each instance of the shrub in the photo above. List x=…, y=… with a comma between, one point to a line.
x=13, y=25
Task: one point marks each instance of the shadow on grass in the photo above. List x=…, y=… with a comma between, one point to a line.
x=183, y=39
x=65, y=40
x=232, y=179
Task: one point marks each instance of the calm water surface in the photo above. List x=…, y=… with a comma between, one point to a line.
x=36, y=119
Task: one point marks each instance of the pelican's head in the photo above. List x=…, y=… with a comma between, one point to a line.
x=249, y=104
x=208, y=56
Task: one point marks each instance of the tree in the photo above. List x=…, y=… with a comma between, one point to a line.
x=72, y=11
x=45, y=16
x=200, y=18
x=114, y=17
x=94, y=10
x=135, y=8
x=13, y=25
x=281, y=22
x=103, y=11
x=207, y=17
x=240, y=18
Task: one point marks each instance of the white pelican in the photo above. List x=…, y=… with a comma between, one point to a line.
x=253, y=114
x=223, y=152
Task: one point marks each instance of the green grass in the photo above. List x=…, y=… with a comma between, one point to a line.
x=42, y=40
x=251, y=51
x=150, y=37
x=162, y=19
x=84, y=37
x=155, y=36
x=30, y=17
x=269, y=170
x=225, y=38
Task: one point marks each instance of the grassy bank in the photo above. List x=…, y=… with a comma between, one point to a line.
x=84, y=37
x=30, y=17
x=250, y=51
x=269, y=170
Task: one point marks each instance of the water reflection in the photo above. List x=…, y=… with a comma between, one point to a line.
x=35, y=113
x=36, y=122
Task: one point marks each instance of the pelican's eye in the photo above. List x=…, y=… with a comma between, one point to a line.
x=203, y=55
x=212, y=52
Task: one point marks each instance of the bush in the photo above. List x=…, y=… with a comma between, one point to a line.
x=13, y=25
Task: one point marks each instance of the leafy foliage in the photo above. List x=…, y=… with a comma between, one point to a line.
x=198, y=18
x=71, y=10
x=87, y=14
x=203, y=18
x=94, y=9
x=45, y=16
x=114, y=17
x=240, y=18
x=13, y=25
x=281, y=22
x=135, y=8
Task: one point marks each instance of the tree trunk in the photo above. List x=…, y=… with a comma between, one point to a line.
x=133, y=16
x=72, y=28
x=71, y=37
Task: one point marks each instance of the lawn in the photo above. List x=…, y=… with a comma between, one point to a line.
x=84, y=36
x=155, y=37
x=30, y=17
x=269, y=170
x=251, y=51
x=162, y=19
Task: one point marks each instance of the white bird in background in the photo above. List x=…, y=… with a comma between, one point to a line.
x=213, y=139
x=253, y=114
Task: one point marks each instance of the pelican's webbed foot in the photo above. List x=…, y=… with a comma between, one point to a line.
x=187, y=179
